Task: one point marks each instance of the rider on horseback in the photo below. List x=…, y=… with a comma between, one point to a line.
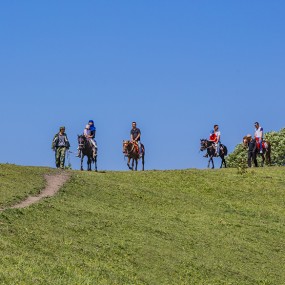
x=89, y=132
x=215, y=136
x=136, y=136
x=258, y=135
x=91, y=136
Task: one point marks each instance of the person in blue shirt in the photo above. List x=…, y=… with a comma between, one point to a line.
x=91, y=136
x=90, y=133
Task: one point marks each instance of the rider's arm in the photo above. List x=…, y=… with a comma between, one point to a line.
x=92, y=135
x=138, y=136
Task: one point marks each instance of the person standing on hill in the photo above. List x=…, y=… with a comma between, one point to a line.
x=251, y=152
x=60, y=144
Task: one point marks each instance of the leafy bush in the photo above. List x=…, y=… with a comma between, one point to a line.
x=277, y=141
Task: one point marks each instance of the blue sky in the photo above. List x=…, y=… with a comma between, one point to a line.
x=175, y=67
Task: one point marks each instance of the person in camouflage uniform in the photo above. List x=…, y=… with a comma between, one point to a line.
x=60, y=144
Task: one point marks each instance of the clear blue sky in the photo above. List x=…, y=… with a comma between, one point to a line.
x=175, y=67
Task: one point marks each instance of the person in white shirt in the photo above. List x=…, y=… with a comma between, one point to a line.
x=218, y=139
x=258, y=135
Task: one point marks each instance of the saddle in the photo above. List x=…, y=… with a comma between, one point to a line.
x=136, y=147
x=264, y=145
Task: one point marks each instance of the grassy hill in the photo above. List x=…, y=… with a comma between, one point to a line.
x=153, y=227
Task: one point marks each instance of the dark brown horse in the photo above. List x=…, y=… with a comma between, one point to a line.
x=131, y=151
x=87, y=150
x=266, y=150
x=209, y=146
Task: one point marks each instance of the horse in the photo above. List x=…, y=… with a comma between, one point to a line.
x=131, y=151
x=86, y=149
x=266, y=150
x=211, y=150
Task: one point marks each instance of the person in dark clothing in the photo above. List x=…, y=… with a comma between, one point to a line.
x=136, y=136
x=251, y=152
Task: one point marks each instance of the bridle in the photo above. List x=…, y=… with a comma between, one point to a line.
x=81, y=142
x=128, y=151
x=204, y=144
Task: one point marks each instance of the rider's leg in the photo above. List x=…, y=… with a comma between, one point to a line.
x=140, y=147
x=217, y=146
x=260, y=145
x=78, y=152
x=94, y=146
x=62, y=157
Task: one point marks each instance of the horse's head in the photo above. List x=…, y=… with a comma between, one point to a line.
x=126, y=146
x=203, y=144
x=246, y=140
x=81, y=141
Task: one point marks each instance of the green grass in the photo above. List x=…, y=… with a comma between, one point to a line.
x=154, y=227
x=18, y=182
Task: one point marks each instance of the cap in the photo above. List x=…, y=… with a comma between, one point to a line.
x=248, y=136
x=62, y=128
x=91, y=121
x=256, y=123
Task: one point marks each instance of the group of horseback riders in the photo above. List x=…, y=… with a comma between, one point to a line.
x=60, y=143
x=133, y=148
x=254, y=145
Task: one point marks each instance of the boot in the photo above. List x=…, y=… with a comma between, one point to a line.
x=79, y=153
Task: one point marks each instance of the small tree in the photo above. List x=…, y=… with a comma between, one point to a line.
x=277, y=141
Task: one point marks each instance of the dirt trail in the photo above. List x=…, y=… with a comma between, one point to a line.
x=54, y=182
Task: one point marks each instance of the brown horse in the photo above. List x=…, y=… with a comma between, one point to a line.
x=266, y=150
x=131, y=151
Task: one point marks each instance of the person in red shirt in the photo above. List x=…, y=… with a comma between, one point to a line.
x=213, y=137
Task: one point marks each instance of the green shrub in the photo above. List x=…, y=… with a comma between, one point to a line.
x=277, y=141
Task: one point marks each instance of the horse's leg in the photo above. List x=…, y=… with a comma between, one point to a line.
x=89, y=163
x=81, y=166
x=143, y=162
x=268, y=156
x=95, y=162
x=129, y=161
x=213, y=166
x=223, y=162
x=133, y=163
x=262, y=161
x=136, y=161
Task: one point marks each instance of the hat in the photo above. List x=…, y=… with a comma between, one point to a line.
x=91, y=121
x=248, y=136
x=256, y=123
x=62, y=128
x=87, y=127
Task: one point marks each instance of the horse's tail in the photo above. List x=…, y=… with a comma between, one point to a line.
x=225, y=149
x=143, y=148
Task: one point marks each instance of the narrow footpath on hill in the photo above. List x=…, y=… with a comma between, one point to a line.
x=54, y=183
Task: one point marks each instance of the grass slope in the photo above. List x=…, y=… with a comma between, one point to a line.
x=18, y=182
x=154, y=227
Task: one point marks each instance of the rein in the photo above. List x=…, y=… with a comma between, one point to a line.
x=128, y=152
